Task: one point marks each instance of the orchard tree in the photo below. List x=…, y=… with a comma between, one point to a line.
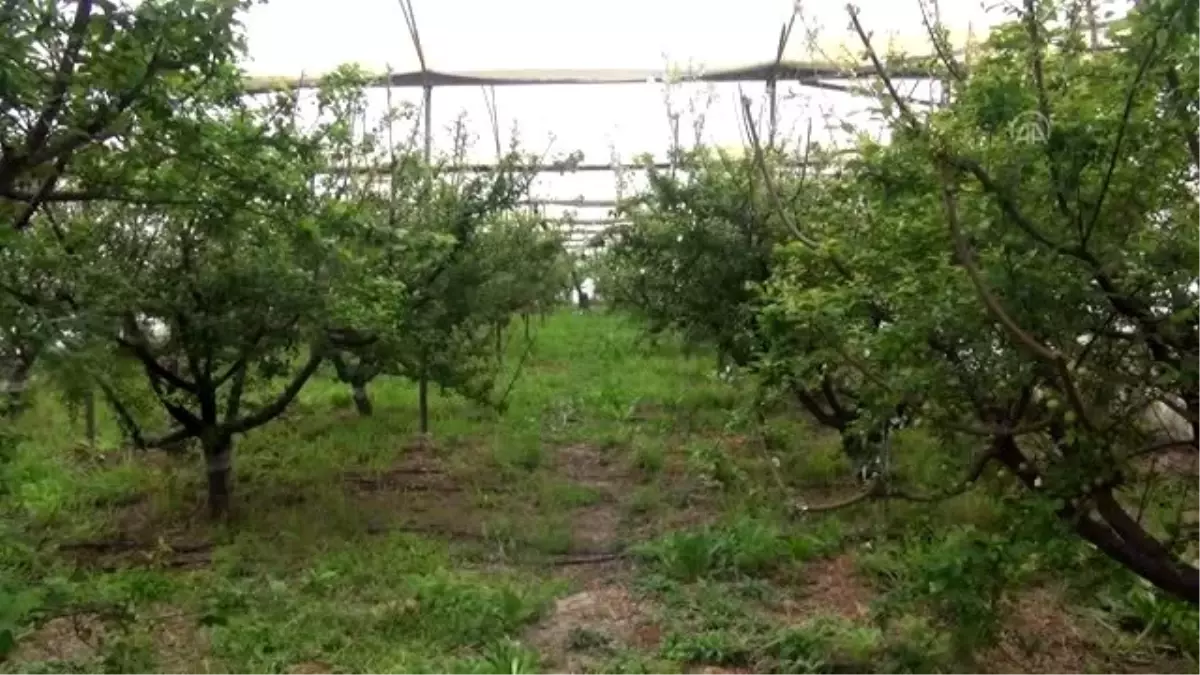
x=215, y=296
x=1032, y=295
x=526, y=268
x=462, y=264
x=444, y=247
x=24, y=334
x=696, y=244
x=79, y=82
x=701, y=243
x=500, y=264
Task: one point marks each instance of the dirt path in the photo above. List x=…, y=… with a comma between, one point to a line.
x=602, y=615
x=594, y=528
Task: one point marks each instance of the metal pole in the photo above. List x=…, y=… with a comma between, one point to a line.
x=428, y=103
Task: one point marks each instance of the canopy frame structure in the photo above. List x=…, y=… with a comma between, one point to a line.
x=813, y=74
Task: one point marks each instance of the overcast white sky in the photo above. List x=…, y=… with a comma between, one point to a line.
x=287, y=37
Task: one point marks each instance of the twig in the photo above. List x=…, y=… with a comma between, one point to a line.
x=529, y=343
x=943, y=51
x=1032, y=27
x=489, y=99
x=1048, y=354
x=773, y=79
x=1113, y=157
x=879, y=489
x=784, y=215
x=592, y=559
x=905, y=112
x=1162, y=447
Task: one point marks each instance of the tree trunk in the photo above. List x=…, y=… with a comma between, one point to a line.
x=14, y=387
x=361, y=400
x=89, y=417
x=423, y=399
x=218, y=459
x=16, y=403
x=1191, y=403
x=1113, y=533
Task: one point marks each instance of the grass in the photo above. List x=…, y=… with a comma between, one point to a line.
x=622, y=516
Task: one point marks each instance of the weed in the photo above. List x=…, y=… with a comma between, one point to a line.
x=709, y=461
x=648, y=457
x=586, y=639
x=307, y=577
x=961, y=578
x=645, y=500
x=562, y=495
x=503, y=657
x=721, y=648
x=745, y=548
x=1140, y=608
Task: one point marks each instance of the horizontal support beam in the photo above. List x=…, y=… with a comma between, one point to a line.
x=594, y=221
x=582, y=167
x=799, y=72
x=577, y=203
x=805, y=73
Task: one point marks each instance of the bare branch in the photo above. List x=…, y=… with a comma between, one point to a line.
x=1126, y=113
x=906, y=113
x=943, y=51
x=769, y=183
x=963, y=252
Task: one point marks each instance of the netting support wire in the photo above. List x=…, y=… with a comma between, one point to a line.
x=773, y=79
x=410, y=20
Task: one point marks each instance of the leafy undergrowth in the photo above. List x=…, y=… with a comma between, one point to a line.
x=622, y=516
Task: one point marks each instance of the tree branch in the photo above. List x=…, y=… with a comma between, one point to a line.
x=124, y=417
x=281, y=402
x=233, y=404
x=963, y=252
x=138, y=348
x=906, y=113
x=180, y=413
x=169, y=439
x=943, y=51
x=1048, y=354
x=1162, y=447
x=879, y=489
x=814, y=408
x=1114, y=156
x=62, y=78
x=1033, y=27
